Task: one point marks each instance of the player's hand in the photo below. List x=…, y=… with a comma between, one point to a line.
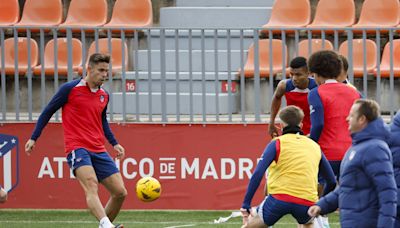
x=314, y=211
x=273, y=131
x=120, y=151
x=30, y=144
x=245, y=215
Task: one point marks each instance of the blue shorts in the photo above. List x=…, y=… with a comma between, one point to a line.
x=102, y=163
x=271, y=210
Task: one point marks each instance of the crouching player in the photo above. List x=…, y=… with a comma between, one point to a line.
x=292, y=177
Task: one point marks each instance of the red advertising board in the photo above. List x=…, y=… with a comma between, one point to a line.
x=199, y=166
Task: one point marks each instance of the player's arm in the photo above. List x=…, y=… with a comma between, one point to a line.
x=378, y=167
x=58, y=100
x=275, y=106
x=269, y=155
x=110, y=136
x=326, y=204
x=326, y=171
x=316, y=114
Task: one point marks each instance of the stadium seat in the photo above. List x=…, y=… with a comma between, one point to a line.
x=116, y=55
x=9, y=12
x=9, y=53
x=385, y=62
x=334, y=13
x=316, y=45
x=41, y=13
x=264, y=57
x=62, y=57
x=289, y=14
x=131, y=13
x=358, y=53
x=87, y=13
x=378, y=13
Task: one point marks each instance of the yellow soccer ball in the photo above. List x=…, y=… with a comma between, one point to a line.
x=148, y=189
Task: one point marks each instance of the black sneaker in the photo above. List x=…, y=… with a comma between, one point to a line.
x=119, y=226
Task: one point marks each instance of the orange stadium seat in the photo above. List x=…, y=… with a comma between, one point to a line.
x=334, y=13
x=9, y=12
x=358, y=53
x=289, y=14
x=41, y=13
x=378, y=13
x=385, y=62
x=62, y=57
x=316, y=45
x=116, y=55
x=9, y=54
x=85, y=13
x=131, y=13
x=264, y=56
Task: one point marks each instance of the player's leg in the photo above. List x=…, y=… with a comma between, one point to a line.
x=115, y=186
x=80, y=163
x=108, y=175
x=300, y=213
x=3, y=195
x=268, y=213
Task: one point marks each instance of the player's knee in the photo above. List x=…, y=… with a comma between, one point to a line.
x=121, y=193
x=91, y=184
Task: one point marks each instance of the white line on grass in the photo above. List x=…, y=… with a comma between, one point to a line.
x=180, y=226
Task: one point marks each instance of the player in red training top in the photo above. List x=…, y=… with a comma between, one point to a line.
x=330, y=104
x=84, y=107
x=295, y=89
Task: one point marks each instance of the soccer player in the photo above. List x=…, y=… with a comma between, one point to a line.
x=367, y=194
x=394, y=144
x=293, y=161
x=84, y=106
x=330, y=104
x=343, y=74
x=295, y=90
x=3, y=195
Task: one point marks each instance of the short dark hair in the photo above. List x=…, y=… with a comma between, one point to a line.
x=98, y=58
x=345, y=63
x=325, y=63
x=369, y=108
x=298, y=62
x=291, y=115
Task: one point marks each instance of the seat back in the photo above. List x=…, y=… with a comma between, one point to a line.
x=87, y=12
x=9, y=12
x=23, y=55
x=385, y=62
x=379, y=12
x=264, y=56
x=116, y=54
x=289, y=12
x=62, y=53
x=42, y=12
x=137, y=13
x=358, y=55
x=328, y=10
x=316, y=45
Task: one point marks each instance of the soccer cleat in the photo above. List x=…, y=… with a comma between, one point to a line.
x=119, y=226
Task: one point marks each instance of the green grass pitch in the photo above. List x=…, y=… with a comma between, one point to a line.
x=130, y=218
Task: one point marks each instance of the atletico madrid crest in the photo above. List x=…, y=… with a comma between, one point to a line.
x=9, y=161
x=101, y=98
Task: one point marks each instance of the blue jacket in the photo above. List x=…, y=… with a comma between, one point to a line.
x=367, y=194
x=394, y=144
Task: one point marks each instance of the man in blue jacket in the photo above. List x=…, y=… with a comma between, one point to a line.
x=394, y=144
x=367, y=195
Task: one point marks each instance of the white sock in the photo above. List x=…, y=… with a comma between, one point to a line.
x=105, y=223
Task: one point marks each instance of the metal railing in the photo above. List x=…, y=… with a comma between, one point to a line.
x=181, y=75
